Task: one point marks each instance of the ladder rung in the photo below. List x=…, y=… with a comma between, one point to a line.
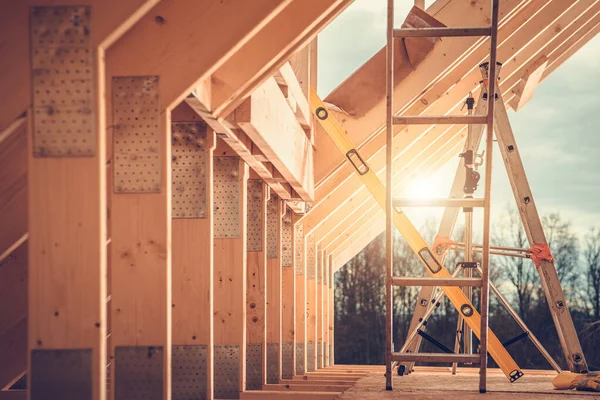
x=402, y=202
x=443, y=32
x=411, y=281
x=436, y=357
x=440, y=119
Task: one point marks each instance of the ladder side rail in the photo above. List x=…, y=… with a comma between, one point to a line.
x=533, y=228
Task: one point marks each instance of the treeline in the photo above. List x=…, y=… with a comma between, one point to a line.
x=360, y=296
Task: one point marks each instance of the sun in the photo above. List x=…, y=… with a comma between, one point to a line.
x=419, y=189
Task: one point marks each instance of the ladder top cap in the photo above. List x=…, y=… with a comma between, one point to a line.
x=485, y=64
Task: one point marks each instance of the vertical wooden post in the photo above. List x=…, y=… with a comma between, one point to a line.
x=274, y=298
x=141, y=232
x=192, y=149
x=331, y=311
x=300, y=306
x=311, y=303
x=326, y=309
x=230, y=268
x=256, y=303
x=319, y=272
x=288, y=296
x=67, y=322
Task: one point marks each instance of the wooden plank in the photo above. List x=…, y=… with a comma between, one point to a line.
x=326, y=308
x=299, y=278
x=289, y=295
x=274, y=287
x=230, y=263
x=526, y=86
x=111, y=19
x=311, y=302
x=265, y=117
x=296, y=89
x=13, y=186
x=331, y=312
x=260, y=394
x=309, y=383
x=328, y=377
x=319, y=308
x=306, y=388
x=192, y=275
x=256, y=287
x=297, y=24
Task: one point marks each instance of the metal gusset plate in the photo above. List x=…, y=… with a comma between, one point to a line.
x=310, y=257
x=138, y=373
x=299, y=248
x=137, y=141
x=300, y=359
x=227, y=372
x=273, y=356
x=189, y=367
x=226, y=206
x=310, y=356
x=254, y=366
x=61, y=374
x=62, y=79
x=254, y=239
x=287, y=360
x=273, y=227
x=286, y=240
x=188, y=166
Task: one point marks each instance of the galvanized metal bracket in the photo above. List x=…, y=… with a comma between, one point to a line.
x=188, y=168
x=273, y=227
x=254, y=366
x=299, y=248
x=227, y=372
x=287, y=360
x=310, y=356
x=137, y=142
x=139, y=372
x=188, y=372
x=226, y=208
x=286, y=241
x=273, y=368
x=62, y=80
x=254, y=237
x=310, y=257
x=64, y=374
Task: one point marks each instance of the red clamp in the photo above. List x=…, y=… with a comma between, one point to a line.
x=539, y=253
x=441, y=245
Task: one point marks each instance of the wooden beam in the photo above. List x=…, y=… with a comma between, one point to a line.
x=297, y=24
x=526, y=86
x=230, y=263
x=259, y=395
x=289, y=295
x=274, y=289
x=256, y=301
x=111, y=19
x=311, y=302
x=265, y=117
x=326, y=309
x=306, y=388
x=300, y=300
x=331, y=312
x=192, y=305
x=319, y=308
x=296, y=80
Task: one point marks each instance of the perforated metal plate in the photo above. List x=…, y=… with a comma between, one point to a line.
x=310, y=257
x=299, y=248
x=319, y=355
x=319, y=265
x=287, y=360
x=272, y=227
x=308, y=207
x=226, y=198
x=254, y=366
x=188, y=166
x=138, y=373
x=331, y=355
x=227, y=372
x=189, y=366
x=310, y=356
x=272, y=363
x=136, y=134
x=254, y=240
x=62, y=79
x=286, y=240
x=61, y=374
x=300, y=359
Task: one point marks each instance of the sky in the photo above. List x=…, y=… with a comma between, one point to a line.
x=557, y=131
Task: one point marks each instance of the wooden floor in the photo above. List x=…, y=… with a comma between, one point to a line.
x=437, y=383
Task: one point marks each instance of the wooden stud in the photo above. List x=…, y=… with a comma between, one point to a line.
x=274, y=289
x=331, y=312
x=288, y=296
x=326, y=309
x=319, y=307
x=256, y=301
x=300, y=303
x=230, y=263
x=192, y=306
x=311, y=302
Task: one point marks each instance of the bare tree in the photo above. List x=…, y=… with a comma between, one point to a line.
x=564, y=246
x=591, y=253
